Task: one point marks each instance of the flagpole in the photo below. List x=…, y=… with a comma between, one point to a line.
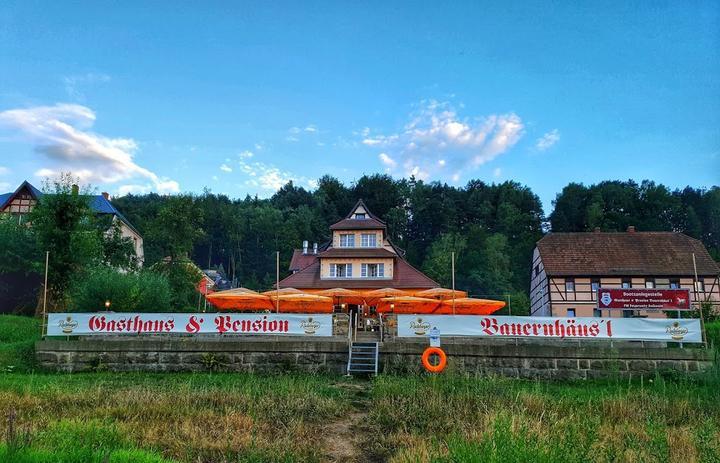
x=277, y=280
x=452, y=258
x=695, y=291
x=44, y=327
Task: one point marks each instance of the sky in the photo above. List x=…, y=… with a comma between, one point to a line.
x=241, y=97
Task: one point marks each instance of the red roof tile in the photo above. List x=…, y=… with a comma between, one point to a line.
x=299, y=260
x=404, y=276
x=627, y=254
x=357, y=252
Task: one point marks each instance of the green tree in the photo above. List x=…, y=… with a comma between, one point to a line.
x=438, y=263
x=19, y=251
x=64, y=224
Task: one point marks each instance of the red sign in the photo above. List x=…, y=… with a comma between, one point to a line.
x=657, y=299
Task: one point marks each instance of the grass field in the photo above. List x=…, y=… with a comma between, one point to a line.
x=106, y=417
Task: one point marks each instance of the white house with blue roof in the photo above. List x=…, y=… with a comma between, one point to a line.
x=21, y=201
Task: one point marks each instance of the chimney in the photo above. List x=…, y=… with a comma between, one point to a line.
x=75, y=189
x=597, y=230
x=314, y=248
x=631, y=229
x=106, y=195
x=305, y=247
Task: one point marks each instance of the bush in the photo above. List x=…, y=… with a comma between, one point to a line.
x=144, y=291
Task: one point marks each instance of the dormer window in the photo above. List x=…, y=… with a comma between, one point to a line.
x=360, y=215
x=369, y=240
x=347, y=241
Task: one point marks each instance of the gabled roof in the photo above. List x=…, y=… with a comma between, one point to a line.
x=98, y=203
x=404, y=276
x=350, y=223
x=624, y=254
x=6, y=198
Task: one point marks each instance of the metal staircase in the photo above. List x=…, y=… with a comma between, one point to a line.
x=363, y=358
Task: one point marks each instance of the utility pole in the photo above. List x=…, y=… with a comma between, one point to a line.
x=277, y=280
x=44, y=323
x=695, y=291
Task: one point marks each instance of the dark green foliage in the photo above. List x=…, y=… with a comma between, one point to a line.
x=182, y=277
x=18, y=252
x=614, y=205
x=144, y=291
x=17, y=342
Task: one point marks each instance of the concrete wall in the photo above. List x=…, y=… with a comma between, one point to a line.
x=561, y=360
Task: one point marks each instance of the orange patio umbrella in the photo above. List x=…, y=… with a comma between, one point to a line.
x=240, y=299
x=374, y=296
x=304, y=303
x=407, y=304
x=441, y=293
x=342, y=295
x=282, y=291
x=469, y=306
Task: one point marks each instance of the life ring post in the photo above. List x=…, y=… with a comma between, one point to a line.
x=426, y=359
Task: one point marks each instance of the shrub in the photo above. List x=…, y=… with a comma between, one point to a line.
x=144, y=291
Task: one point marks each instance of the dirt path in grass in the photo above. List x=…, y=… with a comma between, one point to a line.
x=342, y=438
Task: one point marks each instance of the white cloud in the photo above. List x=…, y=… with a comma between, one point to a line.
x=437, y=142
x=225, y=168
x=295, y=132
x=61, y=135
x=246, y=154
x=387, y=160
x=4, y=170
x=311, y=128
x=549, y=139
x=73, y=84
x=497, y=172
x=271, y=178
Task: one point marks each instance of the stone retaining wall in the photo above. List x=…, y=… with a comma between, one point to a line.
x=562, y=360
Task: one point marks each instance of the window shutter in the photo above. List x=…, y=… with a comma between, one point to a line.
x=381, y=270
x=349, y=270
x=363, y=270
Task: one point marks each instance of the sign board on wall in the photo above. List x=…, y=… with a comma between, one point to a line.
x=66, y=324
x=634, y=299
x=635, y=329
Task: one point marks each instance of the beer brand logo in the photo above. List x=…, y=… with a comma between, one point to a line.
x=310, y=326
x=419, y=326
x=606, y=299
x=676, y=331
x=68, y=325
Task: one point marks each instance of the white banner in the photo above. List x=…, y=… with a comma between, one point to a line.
x=637, y=329
x=66, y=324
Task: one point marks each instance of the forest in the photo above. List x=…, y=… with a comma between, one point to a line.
x=492, y=228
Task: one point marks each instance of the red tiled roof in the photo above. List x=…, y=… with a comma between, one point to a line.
x=358, y=224
x=357, y=252
x=627, y=254
x=404, y=276
x=299, y=260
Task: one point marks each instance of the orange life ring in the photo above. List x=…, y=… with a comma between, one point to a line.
x=426, y=359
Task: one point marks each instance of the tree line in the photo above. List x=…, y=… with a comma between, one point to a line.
x=491, y=228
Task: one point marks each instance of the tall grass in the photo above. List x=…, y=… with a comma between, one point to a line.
x=453, y=418
x=17, y=338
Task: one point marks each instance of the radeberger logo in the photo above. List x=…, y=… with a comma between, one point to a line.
x=419, y=326
x=310, y=326
x=676, y=331
x=68, y=325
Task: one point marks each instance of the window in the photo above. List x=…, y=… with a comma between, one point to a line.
x=570, y=312
x=594, y=285
x=626, y=283
x=360, y=215
x=675, y=284
x=597, y=313
x=368, y=240
x=700, y=286
x=341, y=270
x=537, y=270
x=372, y=270
x=347, y=241
x=649, y=284
x=569, y=285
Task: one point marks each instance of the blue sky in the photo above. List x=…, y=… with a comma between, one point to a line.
x=239, y=98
